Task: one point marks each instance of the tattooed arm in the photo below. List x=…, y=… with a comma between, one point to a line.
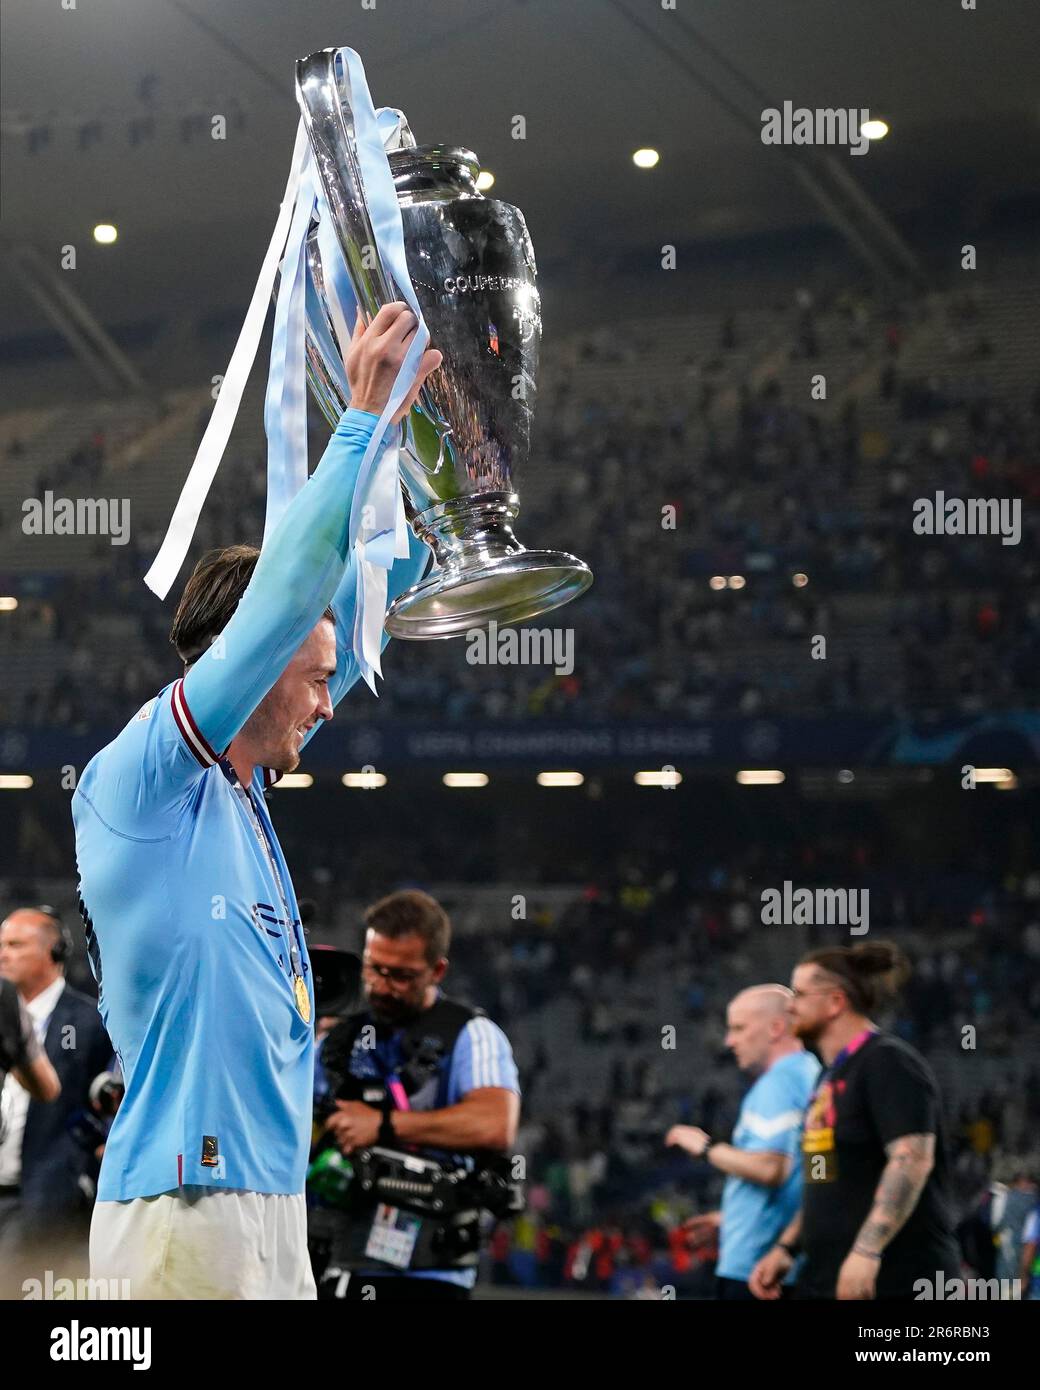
x=910, y=1159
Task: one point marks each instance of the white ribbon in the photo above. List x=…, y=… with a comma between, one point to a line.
x=174, y=548
x=285, y=407
x=378, y=527
x=377, y=522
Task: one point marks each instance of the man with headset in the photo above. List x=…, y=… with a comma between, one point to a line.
x=45, y=1175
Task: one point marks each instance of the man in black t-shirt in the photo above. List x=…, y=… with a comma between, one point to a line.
x=875, y=1219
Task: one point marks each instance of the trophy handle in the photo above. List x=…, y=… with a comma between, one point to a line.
x=329, y=122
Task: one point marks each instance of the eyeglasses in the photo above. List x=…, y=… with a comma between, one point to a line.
x=396, y=974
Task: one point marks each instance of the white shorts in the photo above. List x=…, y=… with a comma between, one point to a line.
x=198, y=1242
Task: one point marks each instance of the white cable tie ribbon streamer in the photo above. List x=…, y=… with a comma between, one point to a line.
x=285, y=405
x=376, y=552
x=378, y=487
x=172, y=552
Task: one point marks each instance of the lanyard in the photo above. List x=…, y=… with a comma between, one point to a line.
x=391, y=1076
x=851, y=1047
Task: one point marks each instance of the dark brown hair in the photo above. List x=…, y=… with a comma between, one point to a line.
x=411, y=912
x=210, y=598
x=869, y=972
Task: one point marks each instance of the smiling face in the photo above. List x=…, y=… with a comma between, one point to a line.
x=275, y=731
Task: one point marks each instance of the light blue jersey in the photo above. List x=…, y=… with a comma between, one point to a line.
x=770, y=1121
x=193, y=928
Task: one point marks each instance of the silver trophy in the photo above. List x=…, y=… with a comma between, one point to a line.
x=472, y=265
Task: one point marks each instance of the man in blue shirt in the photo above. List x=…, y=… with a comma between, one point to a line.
x=763, y=1176
x=193, y=928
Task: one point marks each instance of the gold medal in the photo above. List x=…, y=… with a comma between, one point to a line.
x=303, y=999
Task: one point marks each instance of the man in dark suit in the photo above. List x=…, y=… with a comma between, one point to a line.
x=46, y=1175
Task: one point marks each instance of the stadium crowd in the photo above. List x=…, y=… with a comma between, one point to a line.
x=788, y=490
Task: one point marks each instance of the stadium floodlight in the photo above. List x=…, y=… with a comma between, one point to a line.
x=366, y=781
x=15, y=782
x=874, y=130
x=105, y=234
x=994, y=774
x=760, y=777
x=646, y=159
x=737, y=581
x=560, y=779
x=717, y=581
x=659, y=777
x=485, y=179
x=799, y=580
x=465, y=779
x=290, y=780
x=8, y=604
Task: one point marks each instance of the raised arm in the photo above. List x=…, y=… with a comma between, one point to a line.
x=304, y=562
x=403, y=575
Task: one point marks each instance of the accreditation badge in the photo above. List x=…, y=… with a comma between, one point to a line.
x=393, y=1236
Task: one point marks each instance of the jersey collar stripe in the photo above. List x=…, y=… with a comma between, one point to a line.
x=271, y=776
x=189, y=729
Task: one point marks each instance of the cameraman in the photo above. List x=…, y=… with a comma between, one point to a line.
x=414, y=1076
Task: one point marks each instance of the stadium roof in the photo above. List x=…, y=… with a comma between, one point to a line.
x=595, y=79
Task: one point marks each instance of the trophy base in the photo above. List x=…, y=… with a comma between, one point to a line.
x=485, y=573
x=511, y=590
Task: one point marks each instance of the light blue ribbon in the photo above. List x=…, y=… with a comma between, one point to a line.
x=285, y=407
x=378, y=528
x=381, y=537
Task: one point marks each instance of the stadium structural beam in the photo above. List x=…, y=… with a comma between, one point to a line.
x=886, y=231
x=93, y=345
x=886, y=267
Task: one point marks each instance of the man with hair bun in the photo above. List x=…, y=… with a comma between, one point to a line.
x=875, y=1218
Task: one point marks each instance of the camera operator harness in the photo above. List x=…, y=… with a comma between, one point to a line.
x=404, y=1209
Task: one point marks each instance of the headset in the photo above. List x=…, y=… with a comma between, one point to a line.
x=63, y=947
